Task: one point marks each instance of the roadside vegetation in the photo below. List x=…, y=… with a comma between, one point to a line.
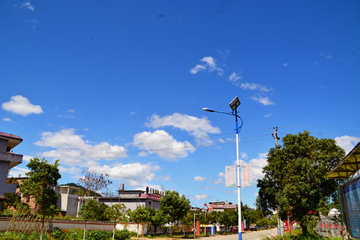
x=298, y=234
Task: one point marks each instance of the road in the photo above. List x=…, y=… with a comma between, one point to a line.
x=257, y=235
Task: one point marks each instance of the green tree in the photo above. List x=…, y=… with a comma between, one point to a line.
x=117, y=213
x=43, y=178
x=89, y=212
x=140, y=216
x=174, y=206
x=294, y=180
x=159, y=218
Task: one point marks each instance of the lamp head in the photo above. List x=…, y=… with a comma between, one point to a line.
x=208, y=110
x=234, y=103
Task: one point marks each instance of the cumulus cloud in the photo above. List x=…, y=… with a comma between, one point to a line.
x=27, y=5
x=222, y=175
x=21, y=105
x=199, y=179
x=347, y=142
x=198, y=127
x=72, y=150
x=209, y=64
x=134, y=174
x=201, y=196
x=263, y=100
x=162, y=144
x=7, y=119
x=18, y=171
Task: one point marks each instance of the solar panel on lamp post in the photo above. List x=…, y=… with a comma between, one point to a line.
x=234, y=104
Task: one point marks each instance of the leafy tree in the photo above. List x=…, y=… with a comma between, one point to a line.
x=159, y=218
x=174, y=206
x=93, y=182
x=294, y=180
x=89, y=212
x=188, y=220
x=140, y=216
x=43, y=178
x=117, y=213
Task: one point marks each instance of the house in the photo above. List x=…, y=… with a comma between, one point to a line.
x=221, y=206
x=8, y=160
x=134, y=198
x=69, y=203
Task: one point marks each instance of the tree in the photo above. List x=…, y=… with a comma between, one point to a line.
x=93, y=182
x=117, y=213
x=174, y=206
x=43, y=178
x=294, y=180
x=159, y=218
x=140, y=216
x=89, y=212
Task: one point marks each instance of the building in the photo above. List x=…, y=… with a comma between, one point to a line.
x=135, y=198
x=8, y=160
x=221, y=206
x=69, y=203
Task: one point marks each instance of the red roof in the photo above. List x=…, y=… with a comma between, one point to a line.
x=8, y=135
x=144, y=195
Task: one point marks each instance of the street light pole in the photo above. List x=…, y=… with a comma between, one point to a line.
x=234, y=104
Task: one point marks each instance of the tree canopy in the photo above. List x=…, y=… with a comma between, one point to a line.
x=43, y=177
x=294, y=180
x=174, y=206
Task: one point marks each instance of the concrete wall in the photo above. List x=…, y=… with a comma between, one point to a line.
x=3, y=145
x=4, y=169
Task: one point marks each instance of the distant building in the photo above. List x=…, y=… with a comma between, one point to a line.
x=8, y=160
x=134, y=198
x=221, y=206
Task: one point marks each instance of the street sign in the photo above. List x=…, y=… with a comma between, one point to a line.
x=246, y=176
x=230, y=176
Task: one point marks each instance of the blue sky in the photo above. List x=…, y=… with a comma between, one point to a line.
x=119, y=86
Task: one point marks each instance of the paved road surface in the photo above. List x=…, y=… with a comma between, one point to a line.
x=258, y=235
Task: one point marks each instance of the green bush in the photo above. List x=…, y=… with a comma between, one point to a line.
x=66, y=234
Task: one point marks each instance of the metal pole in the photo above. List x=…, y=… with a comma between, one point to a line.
x=238, y=176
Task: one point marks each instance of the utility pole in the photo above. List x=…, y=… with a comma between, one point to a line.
x=280, y=223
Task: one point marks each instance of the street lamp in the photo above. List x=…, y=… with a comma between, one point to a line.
x=234, y=104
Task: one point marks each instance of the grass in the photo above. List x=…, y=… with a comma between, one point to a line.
x=299, y=235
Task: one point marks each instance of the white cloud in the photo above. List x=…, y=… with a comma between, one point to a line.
x=327, y=55
x=16, y=171
x=268, y=115
x=222, y=175
x=263, y=100
x=28, y=6
x=255, y=86
x=219, y=181
x=21, y=105
x=257, y=165
x=234, y=77
x=347, y=142
x=162, y=144
x=209, y=63
x=72, y=150
x=202, y=196
x=285, y=65
x=199, y=179
x=70, y=110
x=133, y=173
x=198, y=127
x=71, y=170
x=243, y=155
x=7, y=119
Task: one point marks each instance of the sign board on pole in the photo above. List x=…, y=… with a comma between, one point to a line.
x=230, y=176
x=246, y=175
